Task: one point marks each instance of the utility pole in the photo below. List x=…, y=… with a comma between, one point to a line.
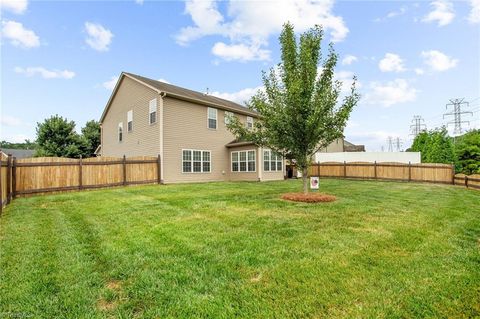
x=417, y=126
x=398, y=144
x=457, y=115
x=390, y=144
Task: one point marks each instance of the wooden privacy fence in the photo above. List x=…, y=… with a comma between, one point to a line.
x=55, y=174
x=428, y=172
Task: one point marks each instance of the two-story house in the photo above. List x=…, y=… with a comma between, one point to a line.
x=187, y=129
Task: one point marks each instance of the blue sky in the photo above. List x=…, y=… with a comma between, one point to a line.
x=410, y=57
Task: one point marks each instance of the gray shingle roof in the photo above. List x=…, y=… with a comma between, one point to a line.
x=179, y=92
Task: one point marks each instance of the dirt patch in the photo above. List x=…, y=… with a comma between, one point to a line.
x=256, y=278
x=114, y=285
x=309, y=198
x=104, y=305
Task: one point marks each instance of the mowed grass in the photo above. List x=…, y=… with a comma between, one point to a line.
x=224, y=250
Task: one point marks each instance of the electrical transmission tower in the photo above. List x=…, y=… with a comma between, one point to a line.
x=398, y=144
x=390, y=144
x=457, y=114
x=417, y=126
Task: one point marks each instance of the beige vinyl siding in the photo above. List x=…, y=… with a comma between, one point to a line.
x=186, y=127
x=335, y=146
x=269, y=175
x=243, y=176
x=144, y=139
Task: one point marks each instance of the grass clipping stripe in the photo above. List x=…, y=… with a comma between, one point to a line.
x=309, y=198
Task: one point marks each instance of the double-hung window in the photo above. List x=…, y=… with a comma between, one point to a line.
x=120, y=131
x=272, y=161
x=196, y=161
x=228, y=117
x=243, y=161
x=152, y=111
x=130, y=121
x=212, y=118
x=249, y=122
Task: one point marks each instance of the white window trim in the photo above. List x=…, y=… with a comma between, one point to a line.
x=150, y=112
x=249, y=120
x=130, y=119
x=270, y=161
x=227, y=117
x=208, y=118
x=247, y=171
x=191, y=161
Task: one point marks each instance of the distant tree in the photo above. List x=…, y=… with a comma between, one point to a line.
x=435, y=146
x=90, y=138
x=298, y=109
x=56, y=136
x=27, y=145
x=467, y=149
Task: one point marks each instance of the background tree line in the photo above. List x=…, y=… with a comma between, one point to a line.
x=437, y=146
x=56, y=136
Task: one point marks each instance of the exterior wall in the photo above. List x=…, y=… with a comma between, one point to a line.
x=335, y=146
x=185, y=127
x=244, y=176
x=399, y=157
x=271, y=176
x=144, y=138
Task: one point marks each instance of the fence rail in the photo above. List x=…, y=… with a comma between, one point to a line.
x=428, y=172
x=55, y=174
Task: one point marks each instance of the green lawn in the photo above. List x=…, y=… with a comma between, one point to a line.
x=223, y=250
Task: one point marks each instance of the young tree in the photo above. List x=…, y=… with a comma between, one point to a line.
x=90, y=138
x=435, y=146
x=56, y=136
x=298, y=109
x=467, y=149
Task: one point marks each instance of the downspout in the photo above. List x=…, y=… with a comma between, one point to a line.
x=162, y=160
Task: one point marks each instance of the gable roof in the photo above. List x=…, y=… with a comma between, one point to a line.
x=180, y=93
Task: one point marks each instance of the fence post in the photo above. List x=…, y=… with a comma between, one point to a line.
x=344, y=169
x=124, y=163
x=453, y=174
x=159, y=169
x=14, y=177
x=466, y=181
x=375, y=169
x=409, y=171
x=318, y=169
x=80, y=173
x=9, y=178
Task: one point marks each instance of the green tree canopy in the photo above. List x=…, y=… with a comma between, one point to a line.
x=435, y=145
x=298, y=108
x=467, y=150
x=90, y=138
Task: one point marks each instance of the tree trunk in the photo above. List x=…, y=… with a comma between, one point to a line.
x=305, y=179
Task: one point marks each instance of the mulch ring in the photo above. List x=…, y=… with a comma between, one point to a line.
x=309, y=198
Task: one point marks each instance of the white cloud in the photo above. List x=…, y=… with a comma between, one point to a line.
x=110, y=84
x=419, y=71
x=8, y=120
x=98, y=38
x=346, y=78
x=240, y=97
x=240, y=52
x=17, y=138
x=163, y=80
x=474, y=16
x=438, y=61
x=15, y=6
x=140, y=2
x=391, y=63
x=251, y=23
x=18, y=35
x=349, y=59
x=442, y=13
x=390, y=93
x=44, y=73
x=393, y=14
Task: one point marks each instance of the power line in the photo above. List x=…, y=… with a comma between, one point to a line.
x=457, y=114
x=417, y=126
